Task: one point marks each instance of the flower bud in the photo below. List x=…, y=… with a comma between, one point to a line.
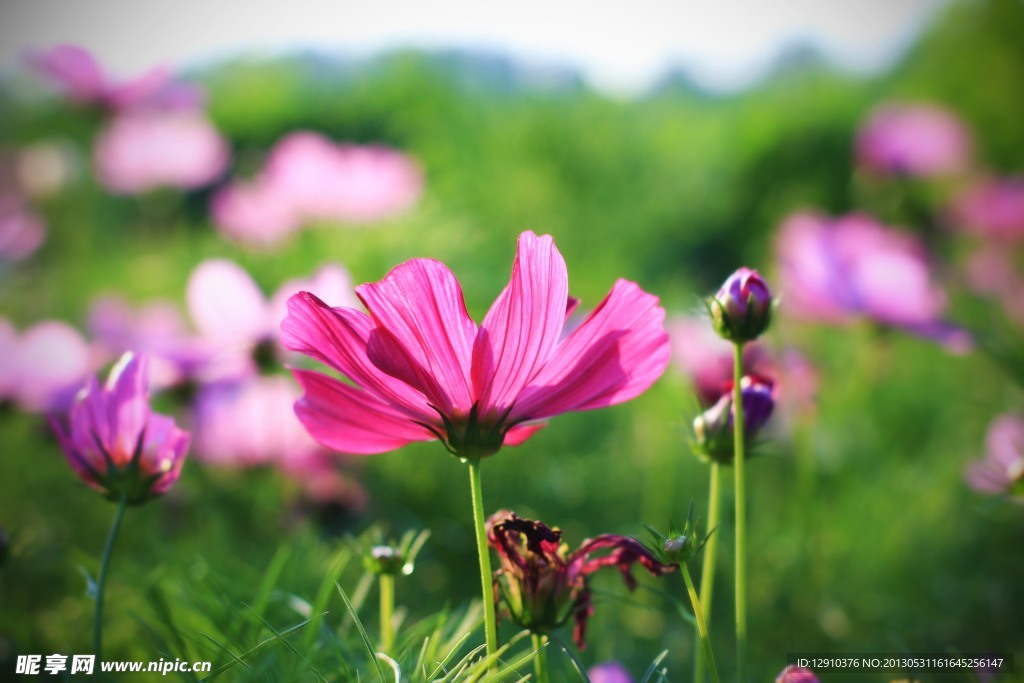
x=796, y=674
x=742, y=309
x=384, y=559
x=713, y=429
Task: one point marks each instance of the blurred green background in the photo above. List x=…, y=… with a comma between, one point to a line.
x=880, y=548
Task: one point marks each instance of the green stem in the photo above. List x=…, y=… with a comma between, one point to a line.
x=387, y=612
x=702, y=627
x=540, y=662
x=101, y=581
x=707, y=574
x=739, y=462
x=490, y=624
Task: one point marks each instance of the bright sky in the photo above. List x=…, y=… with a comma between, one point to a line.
x=620, y=44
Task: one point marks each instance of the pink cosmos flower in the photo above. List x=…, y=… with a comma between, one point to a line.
x=913, y=139
x=991, y=270
x=838, y=270
x=115, y=443
x=309, y=178
x=42, y=368
x=1001, y=471
x=542, y=584
x=77, y=74
x=21, y=230
x=421, y=368
x=796, y=674
x=144, y=150
x=609, y=672
x=994, y=209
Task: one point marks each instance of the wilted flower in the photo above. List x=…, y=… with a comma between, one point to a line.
x=1001, y=471
x=308, y=178
x=713, y=429
x=21, y=230
x=42, y=368
x=609, y=672
x=796, y=674
x=82, y=79
x=422, y=369
x=993, y=209
x=839, y=270
x=913, y=139
x=543, y=584
x=144, y=150
x=742, y=308
x=115, y=443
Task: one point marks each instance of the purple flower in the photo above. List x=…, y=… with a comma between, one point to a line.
x=742, y=308
x=609, y=672
x=993, y=209
x=42, y=368
x=913, y=139
x=143, y=150
x=713, y=428
x=77, y=74
x=838, y=270
x=542, y=584
x=115, y=443
x=796, y=674
x=1001, y=470
x=21, y=230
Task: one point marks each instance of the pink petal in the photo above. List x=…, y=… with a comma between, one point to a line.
x=618, y=351
x=53, y=361
x=226, y=305
x=423, y=334
x=338, y=337
x=330, y=283
x=73, y=70
x=520, y=433
x=522, y=328
x=128, y=404
x=347, y=419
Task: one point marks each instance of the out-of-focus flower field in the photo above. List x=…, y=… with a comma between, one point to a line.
x=175, y=213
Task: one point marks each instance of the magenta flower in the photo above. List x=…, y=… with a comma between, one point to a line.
x=839, y=270
x=21, y=230
x=42, y=368
x=796, y=674
x=1001, y=471
x=77, y=74
x=143, y=150
x=115, y=443
x=609, y=672
x=993, y=209
x=542, y=584
x=250, y=214
x=421, y=369
x=913, y=139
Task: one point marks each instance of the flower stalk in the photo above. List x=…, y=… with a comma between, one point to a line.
x=702, y=628
x=490, y=624
x=540, y=661
x=741, y=516
x=707, y=575
x=387, y=612
x=101, y=582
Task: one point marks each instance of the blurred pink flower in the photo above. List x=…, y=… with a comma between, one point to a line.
x=252, y=423
x=838, y=270
x=21, y=230
x=309, y=178
x=993, y=208
x=115, y=443
x=991, y=270
x=796, y=674
x=707, y=359
x=422, y=369
x=144, y=150
x=913, y=139
x=77, y=74
x=43, y=368
x=609, y=672
x=1001, y=470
